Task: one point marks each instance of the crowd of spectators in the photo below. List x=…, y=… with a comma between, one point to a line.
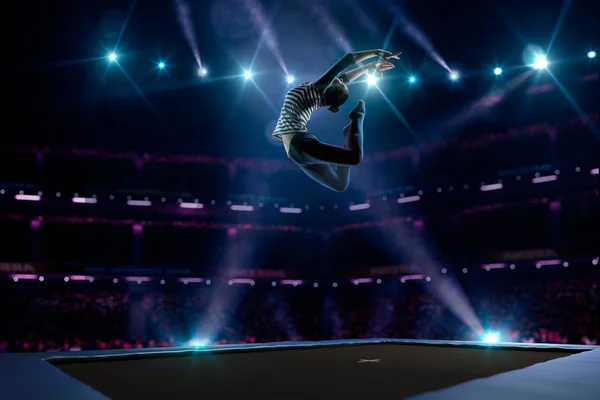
x=50, y=317
x=449, y=160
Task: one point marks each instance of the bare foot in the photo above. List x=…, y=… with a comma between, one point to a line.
x=359, y=111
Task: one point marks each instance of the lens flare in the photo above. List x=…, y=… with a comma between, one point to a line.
x=491, y=337
x=371, y=79
x=540, y=62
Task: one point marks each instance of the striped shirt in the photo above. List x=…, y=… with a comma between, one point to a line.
x=298, y=106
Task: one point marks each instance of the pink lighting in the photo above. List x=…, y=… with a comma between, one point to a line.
x=192, y=206
x=410, y=199
x=548, y=262
x=139, y=203
x=489, y=188
x=137, y=228
x=361, y=280
x=79, y=278
x=137, y=279
x=35, y=224
x=243, y=281
x=290, y=210
x=191, y=280
x=544, y=179
x=539, y=89
x=595, y=171
x=358, y=207
x=84, y=200
x=28, y=197
x=24, y=276
x=291, y=282
x=590, y=77
x=488, y=267
x=231, y=232
x=238, y=207
x=413, y=277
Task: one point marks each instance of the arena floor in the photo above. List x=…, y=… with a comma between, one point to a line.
x=346, y=370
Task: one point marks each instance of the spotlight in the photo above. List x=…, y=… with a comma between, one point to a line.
x=497, y=71
x=453, y=76
x=198, y=343
x=247, y=75
x=290, y=79
x=112, y=57
x=371, y=79
x=202, y=71
x=161, y=65
x=491, y=338
x=591, y=54
x=412, y=79
x=540, y=62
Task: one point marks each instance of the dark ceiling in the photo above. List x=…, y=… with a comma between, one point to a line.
x=64, y=91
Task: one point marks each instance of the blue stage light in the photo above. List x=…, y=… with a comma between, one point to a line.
x=491, y=337
x=541, y=62
x=412, y=79
x=112, y=57
x=372, y=79
x=198, y=343
x=498, y=71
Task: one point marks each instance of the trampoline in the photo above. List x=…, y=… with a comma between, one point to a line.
x=378, y=369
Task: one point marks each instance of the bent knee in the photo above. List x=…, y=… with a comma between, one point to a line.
x=339, y=188
x=293, y=155
x=356, y=158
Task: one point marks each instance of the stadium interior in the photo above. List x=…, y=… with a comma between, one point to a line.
x=145, y=210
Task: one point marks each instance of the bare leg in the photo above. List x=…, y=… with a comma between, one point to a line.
x=343, y=171
x=326, y=175
x=312, y=151
x=330, y=165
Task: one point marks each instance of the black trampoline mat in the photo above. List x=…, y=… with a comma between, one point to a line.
x=379, y=371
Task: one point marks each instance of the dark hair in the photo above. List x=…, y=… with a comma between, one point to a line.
x=336, y=95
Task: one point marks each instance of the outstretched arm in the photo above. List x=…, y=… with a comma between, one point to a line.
x=361, y=56
x=354, y=74
x=348, y=60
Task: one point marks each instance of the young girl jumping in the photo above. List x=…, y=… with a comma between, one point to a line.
x=327, y=164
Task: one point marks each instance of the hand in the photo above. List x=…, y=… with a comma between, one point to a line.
x=380, y=66
x=394, y=56
x=386, y=55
